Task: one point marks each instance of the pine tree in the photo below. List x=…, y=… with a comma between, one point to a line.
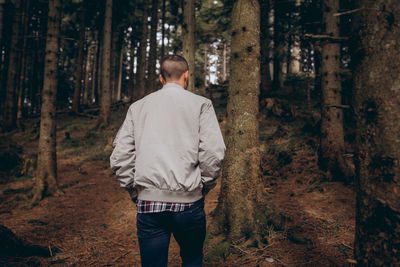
x=105, y=100
x=331, y=156
x=377, y=109
x=188, y=41
x=242, y=201
x=46, y=179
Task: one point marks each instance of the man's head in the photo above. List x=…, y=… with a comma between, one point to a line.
x=174, y=68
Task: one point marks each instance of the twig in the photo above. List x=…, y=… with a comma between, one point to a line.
x=338, y=106
x=328, y=37
x=347, y=246
x=346, y=12
x=51, y=252
x=123, y=255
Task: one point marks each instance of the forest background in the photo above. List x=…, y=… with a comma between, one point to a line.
x=306, y=93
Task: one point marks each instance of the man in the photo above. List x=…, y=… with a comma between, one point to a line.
x=168, y=155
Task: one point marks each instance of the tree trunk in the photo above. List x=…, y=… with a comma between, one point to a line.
x=119, y=79
x=151, y=75
x=278, y=45
x=205, y=65
x=377, y=109
x=188, y=42
x=331, y=157
x=265, y=42
x=79, y=62
x=95, y=68
x=9, y=117
x=141, y=63
x=88, y=59
x=114, y=63
x=105, y=100
x=22, y=63
x=46, y=179
x=294, y=66
x=163, y=29
x=241, y=202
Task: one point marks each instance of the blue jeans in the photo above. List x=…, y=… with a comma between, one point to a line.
x=189, y=230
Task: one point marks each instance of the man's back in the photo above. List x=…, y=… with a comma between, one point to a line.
x=170, y=127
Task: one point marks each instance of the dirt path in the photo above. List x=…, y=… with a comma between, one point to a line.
x=92, y=224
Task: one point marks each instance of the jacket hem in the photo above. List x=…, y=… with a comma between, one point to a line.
x=170, y=196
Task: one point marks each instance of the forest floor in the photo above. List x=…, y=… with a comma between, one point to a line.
x=94, y=222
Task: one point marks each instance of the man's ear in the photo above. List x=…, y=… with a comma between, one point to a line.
x=186, y=73
x=162, y=80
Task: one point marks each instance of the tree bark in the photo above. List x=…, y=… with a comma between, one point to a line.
x=377, y=109
x=141, y=63
x=46, y=179
x=105, y=100
x=242, y=201
x=188, y=42
x=79, y=62
x=331, y=152
x=151, y=75
x=9, y=116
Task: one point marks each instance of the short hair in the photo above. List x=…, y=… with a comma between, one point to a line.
x=173, y=66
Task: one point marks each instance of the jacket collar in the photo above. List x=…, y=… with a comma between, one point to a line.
x=172, y=85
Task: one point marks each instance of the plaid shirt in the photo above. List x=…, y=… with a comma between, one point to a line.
x=144, y=206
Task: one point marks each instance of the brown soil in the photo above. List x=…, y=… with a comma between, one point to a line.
x=93, y=223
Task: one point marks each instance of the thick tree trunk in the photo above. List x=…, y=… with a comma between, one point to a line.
x=9, y=117
x=151, y=76
x=331, y=157
x=46, y=179
x=141, y=63
x=105, y=100
x=242, y=201
x=205, y=66
x=265, y=43
x=79, y=63
x=188, y=42
x=377, y=108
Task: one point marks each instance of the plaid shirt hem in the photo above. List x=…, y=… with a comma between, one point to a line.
x=145, y=206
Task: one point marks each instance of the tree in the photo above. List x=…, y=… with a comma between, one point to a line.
x=9, y=116
x=153, y=48
x=188, y=41
x=141, y=61
x=46, y=179
x=265, y=43
x=377, y=109
x=242, y=201
x=105, y=100
x=331, y=154
x=79, y=62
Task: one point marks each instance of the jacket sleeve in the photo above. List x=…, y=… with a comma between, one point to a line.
x=211, y=147
x=122, y=159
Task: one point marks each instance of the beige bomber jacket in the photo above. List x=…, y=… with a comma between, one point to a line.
x=169, y=148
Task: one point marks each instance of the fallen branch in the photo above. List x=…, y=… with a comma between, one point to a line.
x=346, y=12
x=326, y=37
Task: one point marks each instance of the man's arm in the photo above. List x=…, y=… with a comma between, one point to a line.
x=211, y=147
x=122, y=159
